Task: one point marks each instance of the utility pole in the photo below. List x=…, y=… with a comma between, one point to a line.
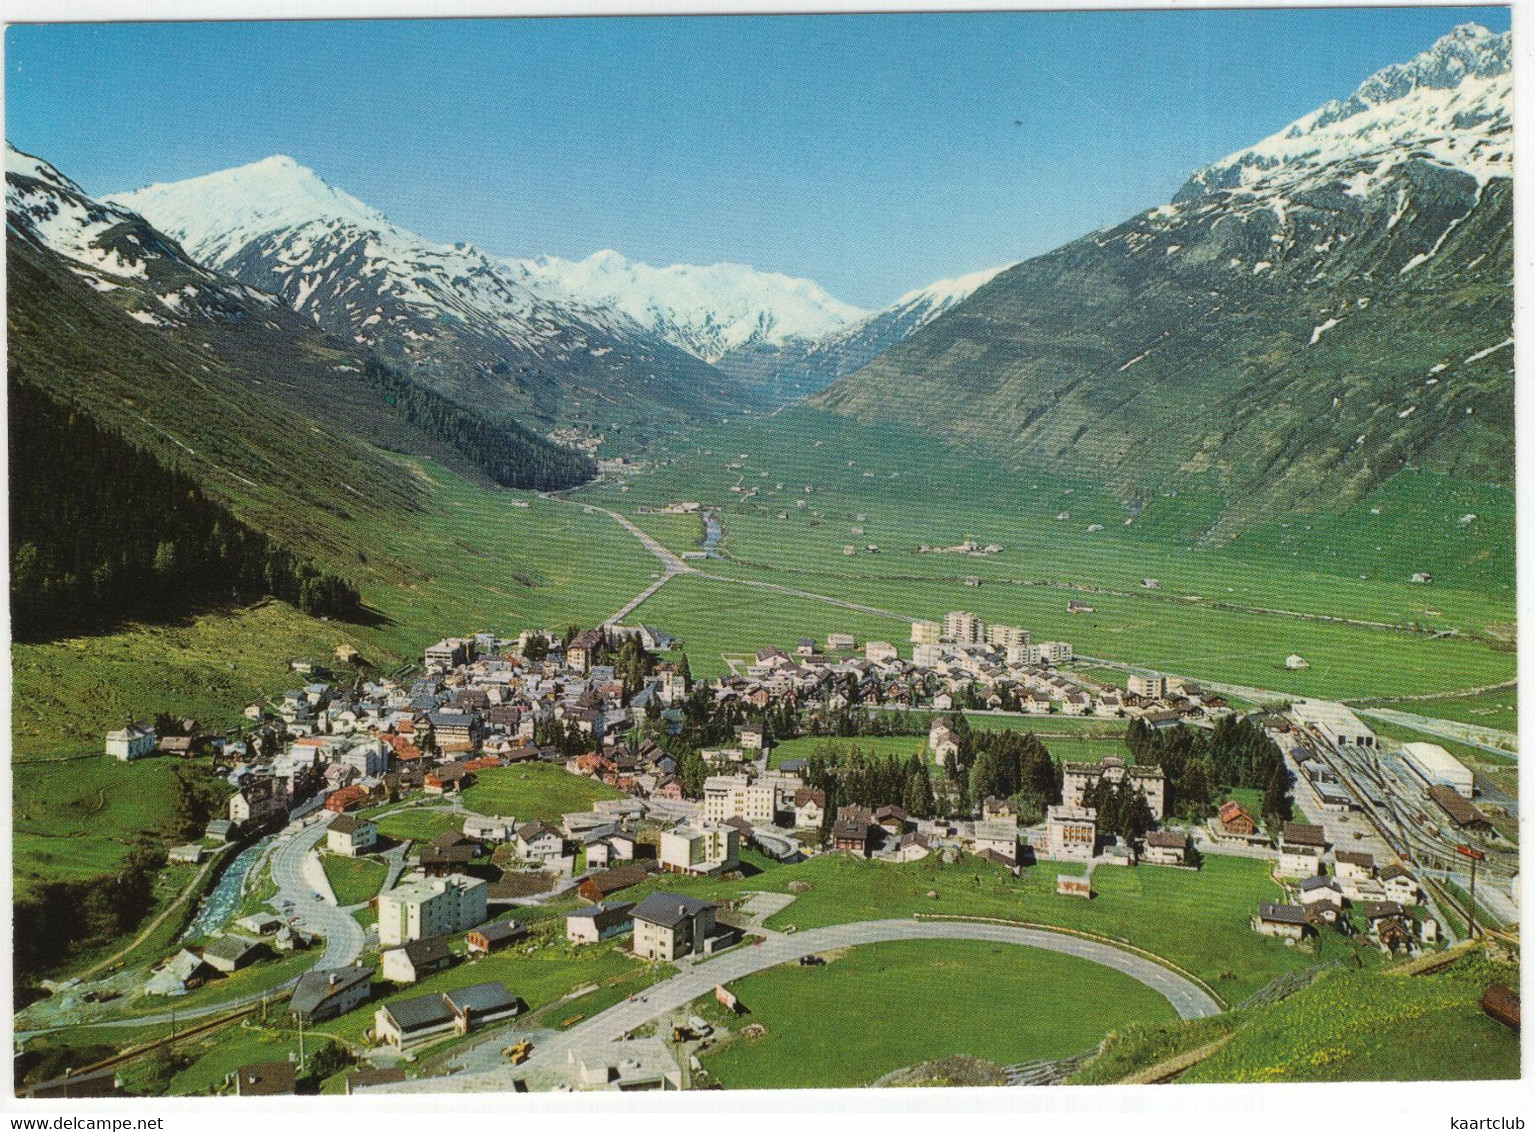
x=1475, y=855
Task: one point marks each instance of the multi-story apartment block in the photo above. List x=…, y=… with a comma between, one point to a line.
x=704, y=847
x=442, y=906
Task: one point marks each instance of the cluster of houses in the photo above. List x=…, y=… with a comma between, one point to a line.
x=960, y=660
x=478, y=702
x=1383, y=897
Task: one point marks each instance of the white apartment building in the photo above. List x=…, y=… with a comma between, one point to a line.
x=1148, y=685
x=737, y=796
x=705, y=847
x=926, y=632
x=926, y=656
x=428, y=908
x=964, y=628
x=1025, y=654
x=1006, y=636
x=1055, y=652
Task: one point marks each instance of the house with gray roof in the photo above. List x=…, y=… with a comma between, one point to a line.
x=325, y=994
x=668, y=925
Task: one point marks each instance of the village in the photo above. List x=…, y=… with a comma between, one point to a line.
x=692, y=786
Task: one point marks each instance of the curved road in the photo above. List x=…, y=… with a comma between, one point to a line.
x=344, y=937
x=1186, y=997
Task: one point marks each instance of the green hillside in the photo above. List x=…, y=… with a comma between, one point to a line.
x=1272, y=360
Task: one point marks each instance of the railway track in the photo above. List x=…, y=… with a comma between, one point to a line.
x=198, y=1029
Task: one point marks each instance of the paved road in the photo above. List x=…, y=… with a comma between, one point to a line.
x=343, y=935
x=552, y=1052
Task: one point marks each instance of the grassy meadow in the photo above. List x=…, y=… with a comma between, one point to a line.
x=991, y=1000
x=354, y=880
x=1230, y=613
x=534, y=792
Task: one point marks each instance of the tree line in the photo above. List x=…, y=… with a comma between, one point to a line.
x=1202, y=766
x=102, y=529
x=504, y=450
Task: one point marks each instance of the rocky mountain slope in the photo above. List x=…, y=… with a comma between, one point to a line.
x=283, y=423
x=1306, y=318
x=793, y=374
x=451, y=316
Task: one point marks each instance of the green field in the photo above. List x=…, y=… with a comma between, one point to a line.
x=1249, y=592
x=941, y=494
x=1197, y=640
x=266, y=975
x=534, y=792
x=414, y=823
x=1196, y=920
x=1367, y=1026
x=553, y=971
x=354, y=880
x=1498, y=709
x=996, y=1001
x=78, y=818
x=1142, y=1045
x=203, y=1064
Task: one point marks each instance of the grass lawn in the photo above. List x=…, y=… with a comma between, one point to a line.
x=995, y=1001
x=77, y=818
x=47, y=1056
x=354, y=880
x=1134, y=1048
x=903, y=488
x=714, y=618
x=1070, y=726
x=416, y=823
x=219, y=1054
x=70, y=692
x=264, y=976
x=551, y=972
x=534, y=792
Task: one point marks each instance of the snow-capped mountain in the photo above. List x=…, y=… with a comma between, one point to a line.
x=1306, y=318
x=114, y=250
x=452, y=315
x=707, y=311
x=788, y=374
x=1450, y=105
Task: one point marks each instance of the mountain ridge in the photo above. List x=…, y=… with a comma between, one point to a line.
x=1306, y=317
x=451, y=315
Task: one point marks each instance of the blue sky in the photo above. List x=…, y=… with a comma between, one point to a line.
x=871, y=153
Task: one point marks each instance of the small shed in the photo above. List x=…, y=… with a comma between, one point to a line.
x=1501, y=1003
